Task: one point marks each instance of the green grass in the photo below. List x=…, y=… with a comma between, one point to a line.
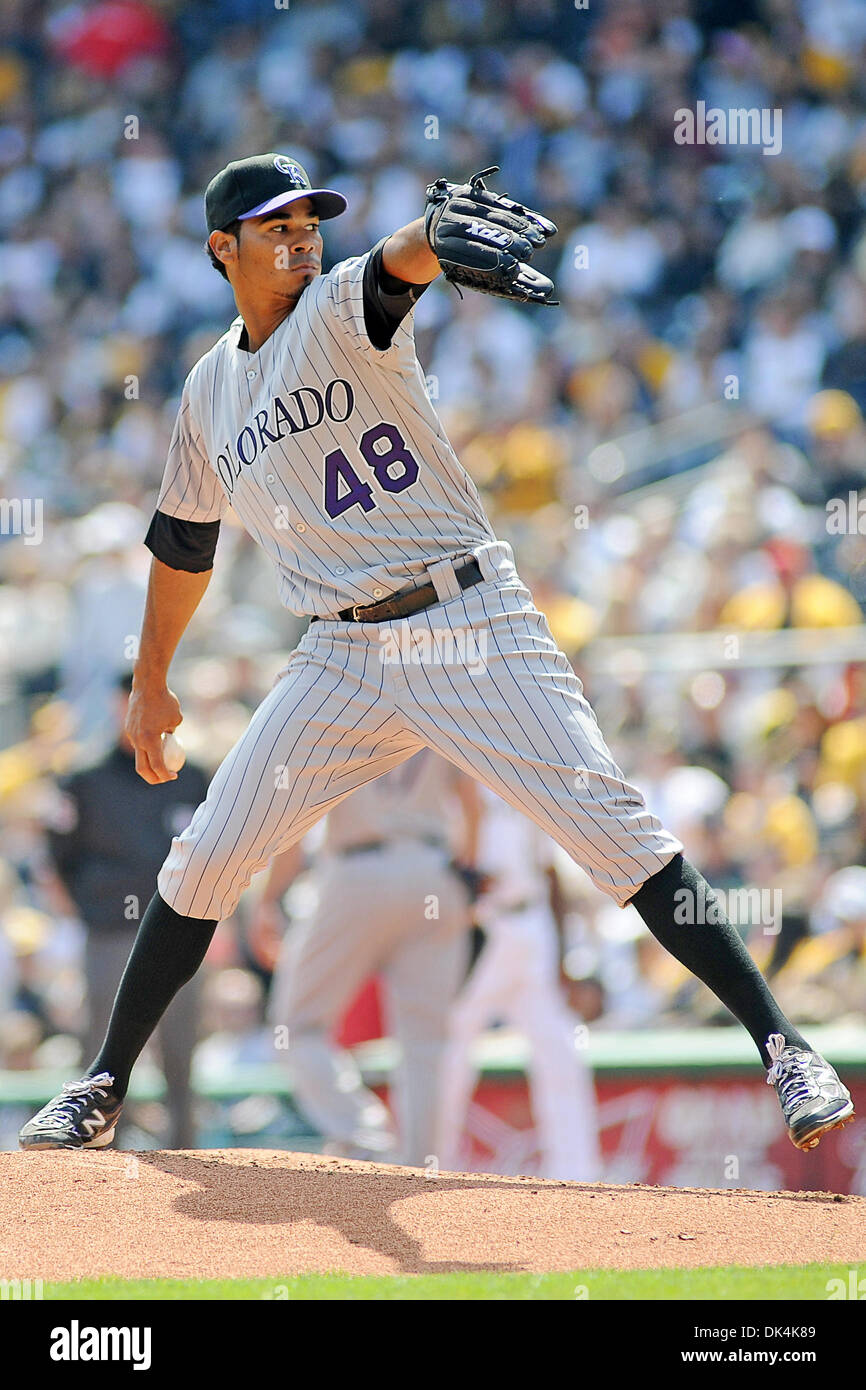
x=772, y=1282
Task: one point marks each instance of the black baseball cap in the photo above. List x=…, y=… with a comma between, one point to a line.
x=261, y=184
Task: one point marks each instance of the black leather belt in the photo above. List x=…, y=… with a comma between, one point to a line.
x=405, y=602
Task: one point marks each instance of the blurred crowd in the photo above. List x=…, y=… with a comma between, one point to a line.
x=667, y=450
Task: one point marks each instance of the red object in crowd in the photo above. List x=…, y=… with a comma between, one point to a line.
x=363, y=1018
x=790, y=559
x=103, y=39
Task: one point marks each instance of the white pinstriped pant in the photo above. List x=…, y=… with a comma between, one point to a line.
x=489, y=690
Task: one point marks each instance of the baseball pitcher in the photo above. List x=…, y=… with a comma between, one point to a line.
x=310, y=418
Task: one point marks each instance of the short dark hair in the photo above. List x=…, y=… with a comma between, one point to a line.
x=233, y=229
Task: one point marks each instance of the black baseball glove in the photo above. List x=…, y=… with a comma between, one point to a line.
x=484, y=240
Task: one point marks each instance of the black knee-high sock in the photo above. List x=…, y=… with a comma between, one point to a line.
x=712, y=949
x=167, y=951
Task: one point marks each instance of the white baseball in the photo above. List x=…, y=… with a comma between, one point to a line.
x=173, y=752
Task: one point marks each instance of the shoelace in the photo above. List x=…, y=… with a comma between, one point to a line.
x=65, y=1111
x=790, y=1072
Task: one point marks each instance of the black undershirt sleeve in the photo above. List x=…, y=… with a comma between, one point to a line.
x=183, y=545
x=387, y=300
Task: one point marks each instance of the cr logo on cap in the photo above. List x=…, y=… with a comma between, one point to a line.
x=285, y=166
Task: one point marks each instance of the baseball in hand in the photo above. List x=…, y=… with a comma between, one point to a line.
x=173, y=752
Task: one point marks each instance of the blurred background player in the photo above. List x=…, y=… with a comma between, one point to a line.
x=110, y=833
x=516, y=980
x=390, y=902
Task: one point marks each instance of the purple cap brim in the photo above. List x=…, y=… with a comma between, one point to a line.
x=328, y=203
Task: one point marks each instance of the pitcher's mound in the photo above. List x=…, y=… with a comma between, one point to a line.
x=248, y=1212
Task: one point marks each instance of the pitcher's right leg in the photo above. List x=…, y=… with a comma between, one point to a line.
x=328, y=725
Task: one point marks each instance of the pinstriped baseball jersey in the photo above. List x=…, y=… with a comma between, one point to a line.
x=329, y=451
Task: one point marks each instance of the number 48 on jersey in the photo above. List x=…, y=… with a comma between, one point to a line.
x=345, y=489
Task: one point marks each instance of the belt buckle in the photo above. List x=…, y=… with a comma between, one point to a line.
x=359, y=608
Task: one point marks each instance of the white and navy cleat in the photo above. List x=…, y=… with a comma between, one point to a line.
x=812, y=1097
x=83, y=1116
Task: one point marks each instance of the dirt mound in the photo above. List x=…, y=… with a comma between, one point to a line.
x=211, y=1214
